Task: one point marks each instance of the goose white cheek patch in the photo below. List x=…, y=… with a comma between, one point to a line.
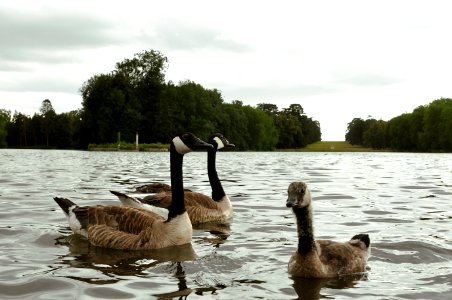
x=219, y=142
x=180, y=146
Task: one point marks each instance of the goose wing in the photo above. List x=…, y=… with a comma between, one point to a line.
x=162, y=199
x=121, y=227
x=191, y=199
x=342, y=258
x=154, y=187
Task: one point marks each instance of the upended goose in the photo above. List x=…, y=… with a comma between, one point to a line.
x=126, y=227
x=322, y=258
x=201, y=208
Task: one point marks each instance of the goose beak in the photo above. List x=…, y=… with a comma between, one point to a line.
x=230, y=146
x=200, y=144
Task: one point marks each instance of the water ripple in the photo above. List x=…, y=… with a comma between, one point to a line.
x=402, y=200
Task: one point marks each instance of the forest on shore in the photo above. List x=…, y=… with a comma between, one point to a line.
x=428, y=128
x=135, y=98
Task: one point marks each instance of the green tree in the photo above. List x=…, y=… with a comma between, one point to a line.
x=48, y=119
x=311, y=130
x=355, y=131
x=67, y=130
x=5, y=118
x=146, y=74
x=375, y=135
x=262, y=133
x=18, y=130
x=110, y=105
x=268, y=108
x=445, y=126
x=417, y=128
x=295, y=110
x=233, y=123
x=290, y=131
x=398, y=133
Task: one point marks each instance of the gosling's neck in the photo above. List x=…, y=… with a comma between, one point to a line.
x=215, y=183
x=305, y=228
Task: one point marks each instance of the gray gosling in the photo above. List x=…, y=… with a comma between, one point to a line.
x=322, y=258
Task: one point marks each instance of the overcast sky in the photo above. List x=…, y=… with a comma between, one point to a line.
x=338, y=59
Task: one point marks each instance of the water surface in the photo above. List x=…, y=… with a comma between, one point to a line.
x=403, y=201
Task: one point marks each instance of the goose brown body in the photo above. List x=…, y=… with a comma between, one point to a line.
x=200, y=208
x=127, y=227
x=322, y=258
x=121, y=227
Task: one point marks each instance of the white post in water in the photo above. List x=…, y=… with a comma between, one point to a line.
x=136, y=141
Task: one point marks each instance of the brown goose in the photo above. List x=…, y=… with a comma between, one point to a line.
x=201, y=208
x=322, y=258
x=125, y=227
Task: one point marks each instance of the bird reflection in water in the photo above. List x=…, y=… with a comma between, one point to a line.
x=113, y=263
x=309, y=288
x=217, y=233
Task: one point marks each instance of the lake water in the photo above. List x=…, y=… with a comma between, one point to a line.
x=403, y=201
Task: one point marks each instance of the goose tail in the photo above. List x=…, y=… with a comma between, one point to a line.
x=363, y=238
x=130, y=201
x=65, y=204
x=127, y=200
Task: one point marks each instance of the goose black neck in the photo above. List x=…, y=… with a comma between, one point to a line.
x=305, y=228
x=177, y=205
x=215, y=183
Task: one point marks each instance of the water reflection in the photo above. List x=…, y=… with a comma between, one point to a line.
x=113, y=263
x=218, y=232
x=401, y=200
x=310, y=288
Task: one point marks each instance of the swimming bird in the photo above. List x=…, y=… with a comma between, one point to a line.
x=201, y=208
x=322, y=258
x=126, y=227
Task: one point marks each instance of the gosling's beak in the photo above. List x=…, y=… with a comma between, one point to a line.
x=291, y=201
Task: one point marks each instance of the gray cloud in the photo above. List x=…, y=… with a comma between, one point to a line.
x=51, y=37
x=273, y=93
x=366, y=79
x=39, y=84
x=176, y=35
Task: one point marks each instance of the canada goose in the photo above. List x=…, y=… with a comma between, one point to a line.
x=125, y=227
x=201, y=208
x=321, y=258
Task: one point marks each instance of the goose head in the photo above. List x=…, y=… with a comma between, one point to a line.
x=187, y=142
x=298, y=195
x=219, y=141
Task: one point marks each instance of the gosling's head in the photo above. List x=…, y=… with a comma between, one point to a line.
x=298, y=195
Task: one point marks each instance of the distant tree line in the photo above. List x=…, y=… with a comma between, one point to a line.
x=134, y=98
x=428, y=129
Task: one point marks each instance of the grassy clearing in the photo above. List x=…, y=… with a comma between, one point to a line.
x=334, y=146
x=128, y=147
